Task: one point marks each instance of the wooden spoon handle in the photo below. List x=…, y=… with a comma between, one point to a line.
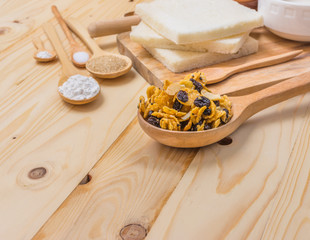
x=79, y=30
x=37, y=42
x=277, y=93
x=264, y=62
x=63, y=25
x=67, y=66
x=109, y=27
x=216, y=75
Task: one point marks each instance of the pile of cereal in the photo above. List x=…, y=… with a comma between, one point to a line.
x=187, y=105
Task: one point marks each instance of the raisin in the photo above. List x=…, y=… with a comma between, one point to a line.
x=207, y=112
x=177, y=105
x=202, y=101
x=197, y=85
x=227, y=114
x=183, y=124
x=182, y=96
x=153, y=121
x=207, y=127
x=194, y=127
x=217, y=103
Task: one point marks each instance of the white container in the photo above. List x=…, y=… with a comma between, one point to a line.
x=287, y=18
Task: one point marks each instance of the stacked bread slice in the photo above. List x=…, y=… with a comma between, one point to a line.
x=188, y=34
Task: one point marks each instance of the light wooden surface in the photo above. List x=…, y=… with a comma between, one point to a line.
x=39, y=130
x=227, y=192
x=254, y=188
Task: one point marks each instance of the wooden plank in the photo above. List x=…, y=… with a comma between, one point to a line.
x=227, y=191
x=129, y=185
x=257, y=156
x=48, y=146
x=155, y=73
x=20, y=18
x=289, y=218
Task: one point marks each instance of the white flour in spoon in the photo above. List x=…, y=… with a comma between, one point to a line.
x=79, y=87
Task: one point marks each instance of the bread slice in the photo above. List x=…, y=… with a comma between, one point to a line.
x=192, y=21
x=180, y=61
x=146, y=36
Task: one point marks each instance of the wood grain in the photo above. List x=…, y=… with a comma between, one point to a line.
x=290, y=215
x=227, y=192
x=129, y=185
x=39, y=130
x=46, y=147
x=155, y=73
x=244, y=176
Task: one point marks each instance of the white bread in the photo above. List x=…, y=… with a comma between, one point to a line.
x=180, y=61
x=192, y=21
x=146, y=36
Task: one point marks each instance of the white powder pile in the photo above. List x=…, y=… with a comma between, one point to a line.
x=79, y=87
x=81, y=57
x=44, y=54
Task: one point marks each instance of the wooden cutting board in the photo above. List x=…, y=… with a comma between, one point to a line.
x=269, y=44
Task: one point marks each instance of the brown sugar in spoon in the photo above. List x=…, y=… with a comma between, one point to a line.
x=68, y=69
x=37, y=42
x=79, y=55
x=243, y=107
x=102, y=64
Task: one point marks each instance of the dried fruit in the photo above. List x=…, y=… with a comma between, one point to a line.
x=182, y=96
x=186, y=105
x=207, y=112
x=197, y=85
x=177, y=105
x=227, y=112
x=217, y=103
x=207, y=127
x=202, y=101
x=154, y=121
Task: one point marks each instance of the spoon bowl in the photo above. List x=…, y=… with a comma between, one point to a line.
x=67, y=67
x=243, y=107
x=110, y=68
x=76, y=49
x=61, y=81
x=40, y=48
x=123, y=60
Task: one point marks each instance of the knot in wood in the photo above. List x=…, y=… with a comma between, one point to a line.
x=4, y=30
x=225, y=141
x=133, y=232
x=37, y=173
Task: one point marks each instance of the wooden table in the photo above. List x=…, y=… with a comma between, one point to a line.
x=255, y=188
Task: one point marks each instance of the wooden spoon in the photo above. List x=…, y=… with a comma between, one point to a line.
x=121, y=64
x=243, y=108
x=40, y=48
x=218, y=74
x=77, y=51
x=67, y=68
